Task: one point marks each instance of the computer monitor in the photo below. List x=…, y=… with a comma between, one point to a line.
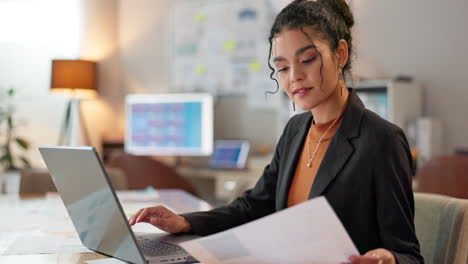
x=169, y=124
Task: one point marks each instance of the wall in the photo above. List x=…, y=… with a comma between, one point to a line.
x=99, y=42
x=427, y=40
x=29, y=38
x=32, y=33
x=144, y=39
x=421, y=38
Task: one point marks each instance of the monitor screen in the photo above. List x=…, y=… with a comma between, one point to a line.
x=169, y=124
x=375, y=99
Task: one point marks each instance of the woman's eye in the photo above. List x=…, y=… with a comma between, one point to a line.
x=282, y=69
x=309, y=60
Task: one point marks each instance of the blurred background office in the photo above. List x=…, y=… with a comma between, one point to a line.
x=409, y=67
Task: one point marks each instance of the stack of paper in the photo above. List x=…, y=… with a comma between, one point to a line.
x=307, y=233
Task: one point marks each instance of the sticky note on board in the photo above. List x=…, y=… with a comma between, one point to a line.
x=230, y=45
x=200, y=69
x=255, y=66
x=200, y=17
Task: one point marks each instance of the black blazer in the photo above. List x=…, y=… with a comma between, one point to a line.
x=365, y=176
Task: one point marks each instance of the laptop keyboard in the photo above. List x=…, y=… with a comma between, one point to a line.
x=153, y=248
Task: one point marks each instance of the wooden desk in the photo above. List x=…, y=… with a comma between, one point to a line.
x=225, y=185
x=32, y=219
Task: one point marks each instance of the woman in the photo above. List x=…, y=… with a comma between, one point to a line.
x=358, y=161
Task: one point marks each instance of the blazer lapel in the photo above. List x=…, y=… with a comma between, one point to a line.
x=338, y=153
x=335, y=158
x=340, y=148
x=291, y=163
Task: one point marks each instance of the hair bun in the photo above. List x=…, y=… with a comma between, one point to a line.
x=341, y=8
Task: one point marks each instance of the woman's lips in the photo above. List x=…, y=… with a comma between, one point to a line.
x=301, y=91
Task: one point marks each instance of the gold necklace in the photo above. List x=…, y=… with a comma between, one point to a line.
x=309, y=164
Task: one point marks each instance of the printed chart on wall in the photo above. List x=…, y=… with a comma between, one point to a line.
x=221, y=46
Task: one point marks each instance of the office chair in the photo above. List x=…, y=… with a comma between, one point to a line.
x=39, y=182
x=442, y=228
x=445, y=175
x=143, y=171
x=36, y=181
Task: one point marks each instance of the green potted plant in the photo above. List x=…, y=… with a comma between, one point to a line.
x=9, y=159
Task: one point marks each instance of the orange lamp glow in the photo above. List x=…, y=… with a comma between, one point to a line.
x=75, y=78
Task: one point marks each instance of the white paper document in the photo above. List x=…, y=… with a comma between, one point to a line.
x=307, y=233
x=105, y=261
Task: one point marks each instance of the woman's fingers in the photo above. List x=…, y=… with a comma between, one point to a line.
x=162, y=218
x=142, y=215
x=382, y=256
x=355, y=259
x=365, y=260
x=376, y=256
x=132, y=220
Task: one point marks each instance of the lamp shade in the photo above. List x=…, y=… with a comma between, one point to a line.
x=77, y=77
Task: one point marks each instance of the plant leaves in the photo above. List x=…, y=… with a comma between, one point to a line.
x=11, y=91
x=6, y=159
x=3, y=158
x=22, y=143
x=25, y=161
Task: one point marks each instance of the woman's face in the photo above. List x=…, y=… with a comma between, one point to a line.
x=306, y=70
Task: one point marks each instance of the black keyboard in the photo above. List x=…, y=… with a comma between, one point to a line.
x=154, y=248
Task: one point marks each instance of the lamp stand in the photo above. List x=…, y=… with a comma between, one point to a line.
x=66, y=133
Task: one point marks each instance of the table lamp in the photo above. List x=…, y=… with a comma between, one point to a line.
x=75, y=79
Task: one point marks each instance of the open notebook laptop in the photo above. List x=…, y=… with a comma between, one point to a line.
x=230, y=154
x=97, y=214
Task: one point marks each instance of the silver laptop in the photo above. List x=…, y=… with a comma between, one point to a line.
x=97, y=214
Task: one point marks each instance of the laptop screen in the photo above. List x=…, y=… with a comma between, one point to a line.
x=91, y=202
x=230, y=154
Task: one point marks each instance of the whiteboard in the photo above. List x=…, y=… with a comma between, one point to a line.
x=221, y=46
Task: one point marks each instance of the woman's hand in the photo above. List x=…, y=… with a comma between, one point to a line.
x=162, y=218
x=376, y=256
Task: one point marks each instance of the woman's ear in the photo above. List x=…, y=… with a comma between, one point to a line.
x=342, y=52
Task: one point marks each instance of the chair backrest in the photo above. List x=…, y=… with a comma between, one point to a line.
x=38, y=181
x=446, y=175
x=117, y=178
x=143, y=171
x=442, y=228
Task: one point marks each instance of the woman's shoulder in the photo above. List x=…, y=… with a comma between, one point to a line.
x=295, y=124
x=297, y=121
x=379, y=127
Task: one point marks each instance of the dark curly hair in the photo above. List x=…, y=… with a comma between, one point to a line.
x=332, y=18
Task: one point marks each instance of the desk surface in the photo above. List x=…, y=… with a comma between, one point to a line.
x=30, y=224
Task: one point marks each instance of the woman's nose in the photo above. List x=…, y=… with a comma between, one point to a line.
x=297, y=74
